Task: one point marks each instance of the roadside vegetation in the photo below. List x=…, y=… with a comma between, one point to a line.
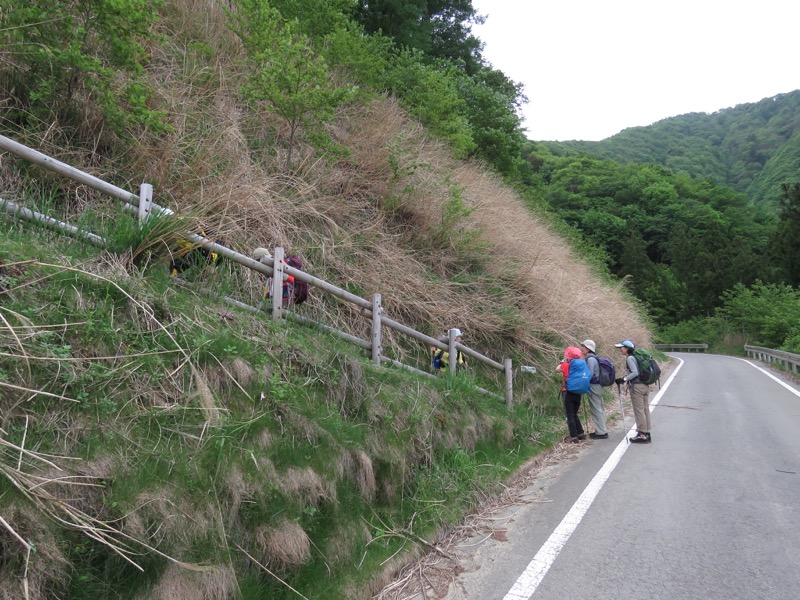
x=224, y=455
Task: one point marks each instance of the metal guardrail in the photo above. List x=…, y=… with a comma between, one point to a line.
x=687, y=347
x=790, y=362
x=143, y=206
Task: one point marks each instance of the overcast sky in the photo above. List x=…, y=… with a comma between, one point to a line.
x=592, y=68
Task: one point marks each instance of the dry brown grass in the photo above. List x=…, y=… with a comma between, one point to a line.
x=217, y=583
x=45, y=569
x=335, y=215
x=161, y=518
x=357, y=466
x=307, y=486
x=348, y=391
x=285, y=546
x=362, y=222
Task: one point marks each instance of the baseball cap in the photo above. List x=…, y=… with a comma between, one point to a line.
x=626, y=344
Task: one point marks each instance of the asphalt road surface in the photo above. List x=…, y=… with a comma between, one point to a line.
x=708, y=511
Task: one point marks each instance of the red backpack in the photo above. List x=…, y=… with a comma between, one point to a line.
x=300, y=287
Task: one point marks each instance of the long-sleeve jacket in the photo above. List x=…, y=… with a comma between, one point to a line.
x=633, y=369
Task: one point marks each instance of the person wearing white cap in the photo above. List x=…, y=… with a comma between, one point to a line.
x=595, y=391
x=260, y=254
x=441, y=358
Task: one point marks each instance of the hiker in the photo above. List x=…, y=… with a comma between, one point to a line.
x=188, y=254
x=287, y=293
x=596, y=405
x=440, y=360
x=576, y=383
x=639, y=391
x=294, y=291
x=435, y=350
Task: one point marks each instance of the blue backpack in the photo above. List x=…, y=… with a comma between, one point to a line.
x=437, y=360
x=579, y=376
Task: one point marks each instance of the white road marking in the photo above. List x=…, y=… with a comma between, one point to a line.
x=534, y=573
x=771, y=376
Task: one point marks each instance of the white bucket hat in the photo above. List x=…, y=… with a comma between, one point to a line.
x=589, y=344
x=260, y=253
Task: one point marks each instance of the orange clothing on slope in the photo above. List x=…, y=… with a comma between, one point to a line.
x=564, y=366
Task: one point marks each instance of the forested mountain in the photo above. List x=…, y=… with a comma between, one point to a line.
x=679, y=241
x=753, y=148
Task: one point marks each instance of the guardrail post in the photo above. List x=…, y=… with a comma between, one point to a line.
x=145, y=201
x=509, y=383
x=453, y=357
x=377, y=350
x=277, y=284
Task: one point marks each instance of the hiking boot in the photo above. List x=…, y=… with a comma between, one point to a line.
x=581, y=436
x=598, y=436
x=639, y=438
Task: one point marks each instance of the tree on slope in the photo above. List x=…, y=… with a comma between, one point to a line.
x=786, y=242
x=285, y=71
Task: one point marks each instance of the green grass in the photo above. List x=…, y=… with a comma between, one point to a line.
x=194, y=470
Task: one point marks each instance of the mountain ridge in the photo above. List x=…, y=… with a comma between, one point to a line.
x=752, y=147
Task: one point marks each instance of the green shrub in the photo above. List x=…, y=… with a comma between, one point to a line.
x=67, y=56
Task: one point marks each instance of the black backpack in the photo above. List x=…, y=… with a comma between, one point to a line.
x=300, y=287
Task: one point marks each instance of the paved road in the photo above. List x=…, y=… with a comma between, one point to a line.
x=707, y=511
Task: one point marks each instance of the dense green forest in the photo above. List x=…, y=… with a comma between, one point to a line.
x=697, y=212
x=753, y=148
x=686, y=247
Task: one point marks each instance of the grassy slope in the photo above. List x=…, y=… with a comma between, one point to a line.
x=225, y=441
x=220, y=439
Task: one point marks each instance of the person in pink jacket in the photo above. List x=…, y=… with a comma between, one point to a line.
x=572, y=401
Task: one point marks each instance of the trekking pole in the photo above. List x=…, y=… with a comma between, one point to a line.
x=585, y=416
x=622, y=410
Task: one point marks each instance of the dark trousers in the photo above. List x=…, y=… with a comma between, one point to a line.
x=572, y=404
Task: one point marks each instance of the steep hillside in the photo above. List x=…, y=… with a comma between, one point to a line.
x=391, y=209
x=753, y=148
x=226, y=456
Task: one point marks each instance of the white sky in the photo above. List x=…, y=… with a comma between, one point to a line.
x=591, y=68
